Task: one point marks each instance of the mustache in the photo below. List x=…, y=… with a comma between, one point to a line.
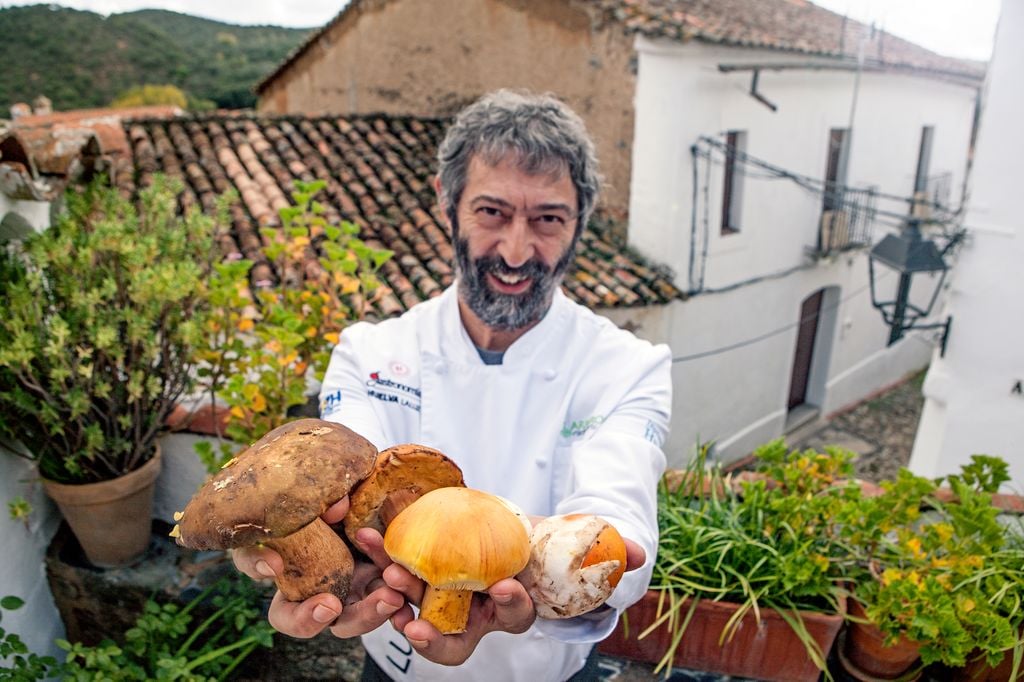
x=532, y=268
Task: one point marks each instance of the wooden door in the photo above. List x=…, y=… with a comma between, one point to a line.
x=810, y=312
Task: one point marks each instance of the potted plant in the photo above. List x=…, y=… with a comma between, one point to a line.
x=747, y=581
x=939, y=585
x=101, y=314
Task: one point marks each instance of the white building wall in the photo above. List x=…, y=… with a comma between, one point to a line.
x=21, y=563
x=739, y=397
x=975, y=394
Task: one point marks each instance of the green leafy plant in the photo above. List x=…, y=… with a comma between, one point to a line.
x=23, y=664
x=764, y=542
x=261, y=349
x=947, y=577
x=19, y=509
x=101, y=316
x=202, y=641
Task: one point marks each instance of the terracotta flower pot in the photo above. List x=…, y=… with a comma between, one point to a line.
x=111, y=519
x=768, y=650
x=865, y=656
x=978, y=670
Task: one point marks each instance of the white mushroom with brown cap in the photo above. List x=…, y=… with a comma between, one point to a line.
x=576, y=561
x=273, y=494
x=458, y=540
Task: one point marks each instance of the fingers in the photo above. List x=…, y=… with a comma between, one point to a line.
x=405, y=582
x=368, y=614
x=371, y=543
x=507, y=608
x=635, y=555
x=303, y=619
x=513, y=608
x=259, y=563
x=336, y=512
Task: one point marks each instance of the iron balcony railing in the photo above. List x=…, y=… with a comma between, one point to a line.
x=846, y=219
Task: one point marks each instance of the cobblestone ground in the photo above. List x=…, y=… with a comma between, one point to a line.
x=881, y=430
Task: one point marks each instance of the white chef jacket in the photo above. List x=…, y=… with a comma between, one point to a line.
x=572, y=421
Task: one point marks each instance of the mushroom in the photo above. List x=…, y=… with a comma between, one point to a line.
x=458, y=540
x=576, y=561
x=274, y=493
x=401, y=475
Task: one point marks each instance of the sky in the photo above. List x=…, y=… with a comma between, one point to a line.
x=957, y=28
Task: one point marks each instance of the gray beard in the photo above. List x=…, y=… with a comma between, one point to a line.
x=507, y=312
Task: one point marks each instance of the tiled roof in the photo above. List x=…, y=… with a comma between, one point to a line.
x=378, y=171
x=788, y=25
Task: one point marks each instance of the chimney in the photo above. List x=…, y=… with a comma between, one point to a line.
x=42, y=106
x=20, y=109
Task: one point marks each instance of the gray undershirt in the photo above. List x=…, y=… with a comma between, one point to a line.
x=491, y=357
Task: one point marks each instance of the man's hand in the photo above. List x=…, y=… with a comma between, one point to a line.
x=505, y=608
x=369, y=604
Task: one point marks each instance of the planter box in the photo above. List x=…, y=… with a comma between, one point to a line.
x=767, y=651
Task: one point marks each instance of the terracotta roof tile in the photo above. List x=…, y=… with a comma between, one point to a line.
x=378, y=172
x=788, y=25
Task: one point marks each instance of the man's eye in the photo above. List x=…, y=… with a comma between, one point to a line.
x=551, y=219
x=490, y=211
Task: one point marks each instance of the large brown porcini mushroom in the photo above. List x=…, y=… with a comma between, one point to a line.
x=274, y=493
x=401, y=475
x=576, y=561
x=458, y=540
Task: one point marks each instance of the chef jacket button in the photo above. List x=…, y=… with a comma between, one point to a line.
x=542, y=463
x=440, y=368
x=550, y=374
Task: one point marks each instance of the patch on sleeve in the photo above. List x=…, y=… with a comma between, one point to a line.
x=330, y=404
x=653, y=434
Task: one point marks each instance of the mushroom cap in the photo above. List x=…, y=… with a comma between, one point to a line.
x=575, y=564
x=400, y=475
x=282, y=482
x=459, y=539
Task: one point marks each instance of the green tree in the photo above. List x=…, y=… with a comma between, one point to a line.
x=144, y=95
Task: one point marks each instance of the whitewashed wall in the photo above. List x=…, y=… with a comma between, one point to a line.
x=738, y=398
x=975, y=394
x=21, y=562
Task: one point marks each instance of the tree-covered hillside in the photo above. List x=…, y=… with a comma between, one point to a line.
x=81, y=59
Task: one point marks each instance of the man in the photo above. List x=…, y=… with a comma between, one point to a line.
x=536, y=398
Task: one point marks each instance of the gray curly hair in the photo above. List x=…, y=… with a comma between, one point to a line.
x=540, y=132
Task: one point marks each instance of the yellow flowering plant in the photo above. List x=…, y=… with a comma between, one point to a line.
x=266, y=339
x=946, y=577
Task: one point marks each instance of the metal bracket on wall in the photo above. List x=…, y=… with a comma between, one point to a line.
x=757, y=95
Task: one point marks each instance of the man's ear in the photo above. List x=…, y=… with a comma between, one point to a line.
x=441, y=203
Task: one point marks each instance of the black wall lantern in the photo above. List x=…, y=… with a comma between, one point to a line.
x=908, y=253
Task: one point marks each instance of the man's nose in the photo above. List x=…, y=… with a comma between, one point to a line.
x=516, y=246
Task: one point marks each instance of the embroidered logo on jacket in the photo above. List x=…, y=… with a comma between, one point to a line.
x=580, y=427
x=390, y=391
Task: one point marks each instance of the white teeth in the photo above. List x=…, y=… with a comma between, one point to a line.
x=509, y=279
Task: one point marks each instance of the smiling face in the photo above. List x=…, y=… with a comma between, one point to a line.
x=514, y=235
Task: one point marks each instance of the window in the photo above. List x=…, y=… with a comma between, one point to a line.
x=732, y=186
x=835, y=167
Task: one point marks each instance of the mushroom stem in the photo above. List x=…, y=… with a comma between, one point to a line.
x=315, y=560
x=446, y=610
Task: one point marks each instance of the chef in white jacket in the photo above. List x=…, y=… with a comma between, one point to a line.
x=536, y=398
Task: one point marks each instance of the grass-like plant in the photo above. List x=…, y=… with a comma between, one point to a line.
x=762, y=543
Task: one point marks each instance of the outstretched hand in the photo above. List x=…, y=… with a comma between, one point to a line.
x=369, y=604
x=505, y=607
